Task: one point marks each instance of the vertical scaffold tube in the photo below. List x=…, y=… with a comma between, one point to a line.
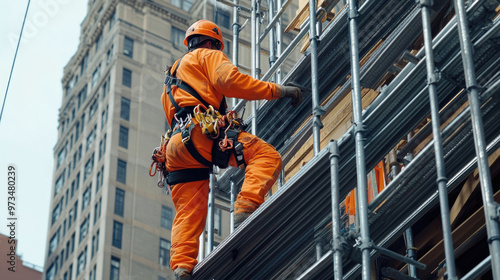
x=254, y=56
x=314, y=77
x=359, y=130
x=279, y=39
x=236, y=37
x=425, y=6
x=337, y=244
x=201, y=248
x=492, y=224
x=272, y=37
x=233, y=198
x=210, y=214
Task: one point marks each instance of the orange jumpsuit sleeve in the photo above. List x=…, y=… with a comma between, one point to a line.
x=227, y=80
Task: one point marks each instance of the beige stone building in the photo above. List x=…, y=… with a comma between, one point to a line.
x=108, y=220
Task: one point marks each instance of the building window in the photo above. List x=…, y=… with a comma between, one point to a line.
x=84, y=229
x=109, y=55
x=166, y=217
x=183, y=4
x=96, y=75
x=73, y=242
x=51, y=272
x=85, y=61
x=114, y=273
x=77, y=131
x=164, y=258
x=222, y=18
x=82, y=261
x=82, y=95
x=54, y=241
x=128, y=47
x=70, y=218
x=102, y=147
x=75, y=210
x=59, y=182
x=95, y=272
x=79, y=153
x=56, y=213
x=96, y=208
x=177, y=37
x=119, y=202
x=117, y=234
x=88, y=167
x=121, y=173
x=90, y=139
x=100, y=179
x=93, y=108
x=123, y=138
x=95, y=244
x=125, y=109
x=127, y=77
x=67, y=250
x=83, y=124
x=217, y=221
x=61, y=156
x=86, y=197
x=104, y=117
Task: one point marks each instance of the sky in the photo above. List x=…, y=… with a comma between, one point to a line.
x=28, y=128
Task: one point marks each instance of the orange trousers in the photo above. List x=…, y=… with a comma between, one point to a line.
x=263, y=166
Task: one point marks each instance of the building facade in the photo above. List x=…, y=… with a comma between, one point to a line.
x=108, y=220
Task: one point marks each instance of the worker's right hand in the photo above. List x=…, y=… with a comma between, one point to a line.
x=292, y=92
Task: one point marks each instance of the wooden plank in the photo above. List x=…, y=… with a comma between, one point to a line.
x=303, y=13
x=470, y=186
x=336, y=122
x=474, y=223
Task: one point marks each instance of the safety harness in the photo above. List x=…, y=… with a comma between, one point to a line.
x=220, y=126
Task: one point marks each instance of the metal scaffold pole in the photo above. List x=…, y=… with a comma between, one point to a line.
x=314, y=77
x=362, y=196
x=337, y=242
x=490, y=206
x=425, y=6
x=236, y=35
x=210, y=214
x=272, y=37
x=279, y=40
x=255, y=29
x=233, y=198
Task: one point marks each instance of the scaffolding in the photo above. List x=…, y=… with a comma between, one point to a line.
x=296, y=233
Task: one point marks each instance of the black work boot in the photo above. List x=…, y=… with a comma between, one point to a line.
x=240, y=218
x=182, y=274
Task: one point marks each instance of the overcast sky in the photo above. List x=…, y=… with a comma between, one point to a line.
x=28, y=128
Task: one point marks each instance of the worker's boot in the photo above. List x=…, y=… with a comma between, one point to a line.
x=182, y=274
x=240, y=218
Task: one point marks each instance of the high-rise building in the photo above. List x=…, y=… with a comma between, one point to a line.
x=108, y=219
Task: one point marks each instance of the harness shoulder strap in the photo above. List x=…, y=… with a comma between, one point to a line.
x=172, y=79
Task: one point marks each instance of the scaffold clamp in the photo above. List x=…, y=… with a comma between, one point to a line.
x=359, y=127
x=495, y=211
x=353, y=13
x=333, y=148
x=427, y=3
x=363, y=245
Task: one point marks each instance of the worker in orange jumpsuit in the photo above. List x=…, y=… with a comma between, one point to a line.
x=207, y=70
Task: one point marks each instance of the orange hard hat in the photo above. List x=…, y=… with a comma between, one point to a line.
x=207, y=28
